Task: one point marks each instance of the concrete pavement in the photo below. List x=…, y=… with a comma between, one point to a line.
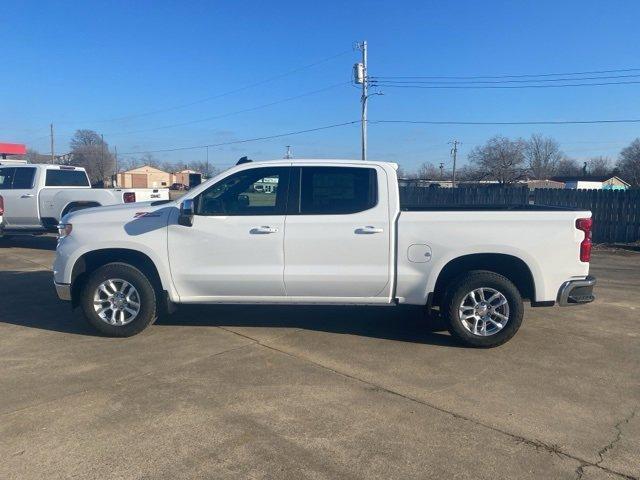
x=322, y=392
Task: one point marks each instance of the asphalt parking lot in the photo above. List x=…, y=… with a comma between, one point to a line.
x=323, y=393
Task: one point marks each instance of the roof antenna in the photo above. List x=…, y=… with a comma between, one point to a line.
x=244, y=160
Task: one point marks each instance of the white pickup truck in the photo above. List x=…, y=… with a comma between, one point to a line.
x=33, y=198
x=328, y=232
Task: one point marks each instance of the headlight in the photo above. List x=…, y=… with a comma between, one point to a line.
x=64, y=229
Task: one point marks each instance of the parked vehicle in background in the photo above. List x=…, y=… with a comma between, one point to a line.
x=33, y=198
x=324, y=232
x=178, y=186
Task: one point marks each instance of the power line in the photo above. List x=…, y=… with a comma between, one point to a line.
x=228, y=114
x=535, y=122
x=224, y=94
x=469, y=87
x=467, y=82
x=246, y=140
x=480, y=77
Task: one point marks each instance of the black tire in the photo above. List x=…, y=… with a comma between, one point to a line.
x=466, y=283
x=147, y=313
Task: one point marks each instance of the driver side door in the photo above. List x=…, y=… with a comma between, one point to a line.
x=235, y=247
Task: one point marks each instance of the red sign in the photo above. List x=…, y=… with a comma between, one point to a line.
x=13, y=149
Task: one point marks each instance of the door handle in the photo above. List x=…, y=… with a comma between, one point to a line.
x=368, y=230
x=27, y=195
x=263, y=230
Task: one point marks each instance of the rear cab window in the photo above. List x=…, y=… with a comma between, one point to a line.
x=336, y=190
x=23, y=178
x=66, y=178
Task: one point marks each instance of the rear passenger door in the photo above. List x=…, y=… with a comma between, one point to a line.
x=20, y=199
x=337, y=233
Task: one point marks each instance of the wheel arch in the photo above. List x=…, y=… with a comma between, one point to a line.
x=78, y=203
x=94, y=259
x=509, y=266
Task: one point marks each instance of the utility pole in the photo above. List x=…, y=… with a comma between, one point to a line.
x=288, y=155
x=102, y=157
x=454, y=154
x=207, y=165
x=362, y=78
x=441, y=170
x=53, y=156
x=115, y=156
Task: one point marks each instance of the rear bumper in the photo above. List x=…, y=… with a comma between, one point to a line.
x=63, y=290
x=576, y=292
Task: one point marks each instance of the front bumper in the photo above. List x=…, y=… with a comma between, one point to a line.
x=576, y=292
x=63, y=290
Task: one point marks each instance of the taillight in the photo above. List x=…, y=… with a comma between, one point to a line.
x=1, y=205
x=129, y=197
x=585, y=225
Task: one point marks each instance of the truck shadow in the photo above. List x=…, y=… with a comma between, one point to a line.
x=29, y=300
x=31, y=242
x=402, y=323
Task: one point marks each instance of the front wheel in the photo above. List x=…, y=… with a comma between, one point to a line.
x=119, y=300
x=483, y=309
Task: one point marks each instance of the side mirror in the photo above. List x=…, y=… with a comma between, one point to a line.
x=186, y=213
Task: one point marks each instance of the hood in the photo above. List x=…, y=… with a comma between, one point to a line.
x=121, y=212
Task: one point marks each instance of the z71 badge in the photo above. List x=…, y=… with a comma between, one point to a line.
x=146, y=214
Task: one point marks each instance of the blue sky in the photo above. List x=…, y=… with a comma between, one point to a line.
x=120, y=67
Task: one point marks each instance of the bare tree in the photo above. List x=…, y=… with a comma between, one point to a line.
x=543, y=155
x=207, y=169
x=599, y=165
x=500, y=159
x=567, y=166
x=629, y=163
x=33, y=156
x=428, y=171
x=148, y=159
x=91, y=152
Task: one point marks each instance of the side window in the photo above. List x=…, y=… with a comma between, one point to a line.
x=337, y=190
x=66, y=178
x=6, y=178
x=23, y=178
x=259, y=191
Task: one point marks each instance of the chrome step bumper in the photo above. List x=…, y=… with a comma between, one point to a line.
x=576, y=292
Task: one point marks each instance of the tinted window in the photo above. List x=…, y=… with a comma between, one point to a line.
x=23, y=178
x=259, y=191
x=334, y=190
x=6, y=178
x=66, y=178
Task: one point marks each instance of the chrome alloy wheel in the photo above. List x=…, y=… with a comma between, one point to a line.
x=116, y=302
x=484, y=311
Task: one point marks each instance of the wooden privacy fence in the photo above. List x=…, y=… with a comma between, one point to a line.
x=418, y=195
x=616, y=213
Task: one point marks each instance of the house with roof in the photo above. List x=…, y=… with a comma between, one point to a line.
x=593, y=182
x=145, y=176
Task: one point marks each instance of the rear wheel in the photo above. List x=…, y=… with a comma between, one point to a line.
x=483, y=309
x=119, y=300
